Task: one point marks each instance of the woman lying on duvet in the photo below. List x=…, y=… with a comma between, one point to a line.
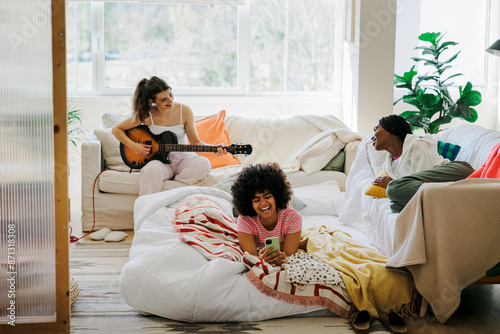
x=261, y=194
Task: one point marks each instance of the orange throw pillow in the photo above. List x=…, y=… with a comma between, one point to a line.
x=211, y=130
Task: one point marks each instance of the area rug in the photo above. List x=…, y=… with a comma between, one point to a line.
x=100, y=308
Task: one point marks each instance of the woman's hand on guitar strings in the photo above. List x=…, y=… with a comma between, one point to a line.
x=221, y=150
x=142, y=149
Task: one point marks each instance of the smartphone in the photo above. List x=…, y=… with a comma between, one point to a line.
x=270, y=242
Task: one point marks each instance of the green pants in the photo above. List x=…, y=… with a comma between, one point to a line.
x=401, y=190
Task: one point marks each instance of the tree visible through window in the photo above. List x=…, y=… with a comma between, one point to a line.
x=291, y=46
x=190, y=45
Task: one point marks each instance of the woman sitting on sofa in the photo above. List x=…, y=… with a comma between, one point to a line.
x=154, y=106
x=412, y=160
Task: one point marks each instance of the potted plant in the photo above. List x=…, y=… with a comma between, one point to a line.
x=74, y=123
x=429, y=92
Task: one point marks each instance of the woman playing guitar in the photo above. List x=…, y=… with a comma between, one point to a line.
x=154, y=107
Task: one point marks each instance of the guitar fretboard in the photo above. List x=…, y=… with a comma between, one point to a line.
x=168, y=147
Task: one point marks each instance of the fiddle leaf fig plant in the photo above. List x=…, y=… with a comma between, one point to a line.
x=429, y=93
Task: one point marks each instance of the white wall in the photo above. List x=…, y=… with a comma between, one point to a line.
x=371, y=64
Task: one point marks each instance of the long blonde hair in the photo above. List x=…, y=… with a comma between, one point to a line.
x=147, y=90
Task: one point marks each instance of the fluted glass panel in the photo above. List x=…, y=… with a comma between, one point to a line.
x=27, y=218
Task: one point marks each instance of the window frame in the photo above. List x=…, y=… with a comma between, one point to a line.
x=243, y=60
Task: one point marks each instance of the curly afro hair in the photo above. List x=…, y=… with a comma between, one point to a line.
x=257, y=179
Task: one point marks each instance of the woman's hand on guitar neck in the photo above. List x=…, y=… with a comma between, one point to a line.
x=220, y=150
x=142, y=149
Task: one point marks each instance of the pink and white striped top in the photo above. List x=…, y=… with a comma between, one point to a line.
x=289, y=221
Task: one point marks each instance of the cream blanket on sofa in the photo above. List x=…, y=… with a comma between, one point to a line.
x=457, y=248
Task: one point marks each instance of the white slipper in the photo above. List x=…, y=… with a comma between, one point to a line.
x=116, y=236
x=100, y=235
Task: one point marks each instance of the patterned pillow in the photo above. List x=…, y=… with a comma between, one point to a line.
x=447, y=150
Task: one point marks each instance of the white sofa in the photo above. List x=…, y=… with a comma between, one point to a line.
x=109, y=195
x=447, y=236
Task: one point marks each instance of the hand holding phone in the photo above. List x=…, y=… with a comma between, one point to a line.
x=272, y=242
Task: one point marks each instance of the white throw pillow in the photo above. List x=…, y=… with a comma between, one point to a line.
x=111, y=119
x=111, y=150
x=318, y=198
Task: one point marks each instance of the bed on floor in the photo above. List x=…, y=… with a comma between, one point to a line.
x=167, y=277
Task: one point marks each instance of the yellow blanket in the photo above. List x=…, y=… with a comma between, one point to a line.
x=371, y=286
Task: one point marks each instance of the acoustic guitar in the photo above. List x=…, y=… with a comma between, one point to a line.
x=163, y=144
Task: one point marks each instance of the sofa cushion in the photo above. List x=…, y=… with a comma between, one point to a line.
x=337, y=162
x=128, y=183
x=111, y=150
x=318, y=198
x=211, y=130
x=111, y=119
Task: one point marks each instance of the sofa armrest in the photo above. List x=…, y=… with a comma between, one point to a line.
x=92, y=158
x=350, y=153
x=92, y=163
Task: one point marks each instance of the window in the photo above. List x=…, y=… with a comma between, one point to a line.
x=261, y=47
x=292, y=45
x=449, y=17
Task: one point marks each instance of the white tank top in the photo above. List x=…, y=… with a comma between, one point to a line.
x=179, y=130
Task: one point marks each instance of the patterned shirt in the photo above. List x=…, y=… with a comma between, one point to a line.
x=289, y=221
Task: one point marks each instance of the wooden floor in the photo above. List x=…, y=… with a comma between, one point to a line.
x=479, y=310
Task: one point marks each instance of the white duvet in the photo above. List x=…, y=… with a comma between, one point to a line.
x=168, y=278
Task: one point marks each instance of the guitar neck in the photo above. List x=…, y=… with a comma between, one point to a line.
x=166, y=147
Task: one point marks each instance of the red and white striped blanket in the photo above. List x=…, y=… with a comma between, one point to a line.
x=273, y=282
x=204, y=224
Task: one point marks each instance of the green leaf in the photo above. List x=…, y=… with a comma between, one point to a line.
x=467, y=89
x=394, y=103
x=428, y=100
x=438, y=40
x=407, y=113
x=444, y=46
x=449, y=60
x=426, y=78
x=451, y=76
x=423, y=59
x=441, y=120
x=474, y=98
x=418, y=121
x=429, y=37
x=468, y=96
x=442, y=69
x=406, y=79
x=462, y=110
